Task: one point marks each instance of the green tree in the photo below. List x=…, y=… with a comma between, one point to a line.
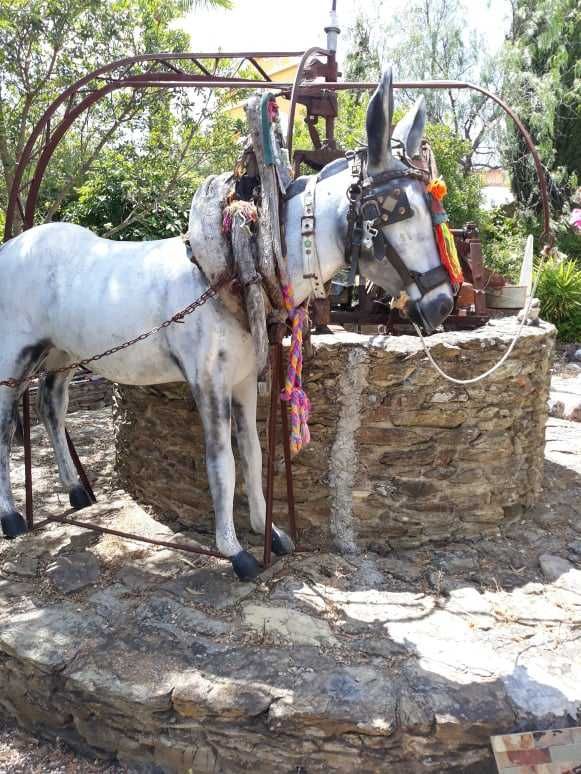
x=542, y=61
x=429, y=40
x=45, y=45
x=145, y=191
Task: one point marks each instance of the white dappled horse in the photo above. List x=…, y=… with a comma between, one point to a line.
x=66, y=294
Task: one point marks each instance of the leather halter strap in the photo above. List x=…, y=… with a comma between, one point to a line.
x=378, y=201
x=311, y=263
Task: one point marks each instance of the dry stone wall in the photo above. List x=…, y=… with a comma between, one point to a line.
x=399, y=457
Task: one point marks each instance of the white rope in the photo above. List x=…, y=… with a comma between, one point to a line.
x=506, y=355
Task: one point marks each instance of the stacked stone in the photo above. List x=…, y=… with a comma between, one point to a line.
x=399, y=457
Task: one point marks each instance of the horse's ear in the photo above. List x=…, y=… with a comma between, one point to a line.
x=378, y=125
x=410, y=129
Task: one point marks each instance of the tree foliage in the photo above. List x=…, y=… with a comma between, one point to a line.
x=542, y=61
x=45, y=45
x=430, y=40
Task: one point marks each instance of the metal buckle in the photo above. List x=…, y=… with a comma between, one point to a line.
x=369, y=234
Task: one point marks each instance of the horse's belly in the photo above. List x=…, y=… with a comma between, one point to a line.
x=125, y=370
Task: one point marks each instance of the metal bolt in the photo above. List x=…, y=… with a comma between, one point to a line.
x=385, y=218
x=401, y=210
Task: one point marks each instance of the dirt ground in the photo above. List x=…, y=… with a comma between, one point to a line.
x=21, y=753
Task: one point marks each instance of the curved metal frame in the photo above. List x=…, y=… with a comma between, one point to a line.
x=170, y=77
x=173, y=77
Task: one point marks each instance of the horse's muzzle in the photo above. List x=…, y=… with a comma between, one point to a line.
x=431, y=314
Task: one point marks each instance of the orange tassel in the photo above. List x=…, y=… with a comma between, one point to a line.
x=437, y=188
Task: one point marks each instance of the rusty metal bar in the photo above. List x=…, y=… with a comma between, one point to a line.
x=71, y=91
x=202, y=68
x=79, y=466
x=176, y=79
x=154, y=80
x=27, y=459
x=131, y=536
x=262, y=72
x=294, y=93
x=477, y=267
x=290, y=493
x=50, y=148
x=369, y=85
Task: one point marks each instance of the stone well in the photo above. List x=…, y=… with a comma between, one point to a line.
x=399, y=457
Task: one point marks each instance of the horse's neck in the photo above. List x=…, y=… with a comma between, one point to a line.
x=330, y=232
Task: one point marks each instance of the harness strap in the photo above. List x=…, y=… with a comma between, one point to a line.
x=425, y=281
x=311, y=263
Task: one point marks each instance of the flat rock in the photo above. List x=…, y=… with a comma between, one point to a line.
x=52, y=636
x=554, y=566
x=343, y=700
x=13, y=592
x=110, y=602
x=137, y=579
x=72, y=572
x=289, y=624
x=215, y=588
x=199, y=694
x=25, y=565
x=400, y=568
x=163, y=614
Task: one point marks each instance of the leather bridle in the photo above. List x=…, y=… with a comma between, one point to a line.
x=375, y=202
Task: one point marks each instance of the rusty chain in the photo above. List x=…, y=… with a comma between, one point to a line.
x=176, y=318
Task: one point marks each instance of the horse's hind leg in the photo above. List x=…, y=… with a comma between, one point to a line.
x=53, y=401
x=244, y=406
x=16, y=363
x=12, y=522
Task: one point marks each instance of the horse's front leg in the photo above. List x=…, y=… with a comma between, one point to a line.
x=214, y=402
x=244, y=407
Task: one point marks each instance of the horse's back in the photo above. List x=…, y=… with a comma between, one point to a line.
x=61, y=278
x=68, y=241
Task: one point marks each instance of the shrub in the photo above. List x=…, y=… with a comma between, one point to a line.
x=503, y=237
x=559, y=291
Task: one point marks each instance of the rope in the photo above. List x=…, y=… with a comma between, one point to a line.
x=512, y=345
x=293, y=391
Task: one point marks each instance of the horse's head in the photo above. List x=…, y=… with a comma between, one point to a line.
x=390, y=220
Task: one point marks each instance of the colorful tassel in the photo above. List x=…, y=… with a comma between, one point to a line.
x=293, y=390
x=437, y=188
x=444, y=239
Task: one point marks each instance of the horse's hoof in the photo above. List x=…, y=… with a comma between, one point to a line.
x=13, y=525
x=245, y=566
x=79, y=498
x=281, y=543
